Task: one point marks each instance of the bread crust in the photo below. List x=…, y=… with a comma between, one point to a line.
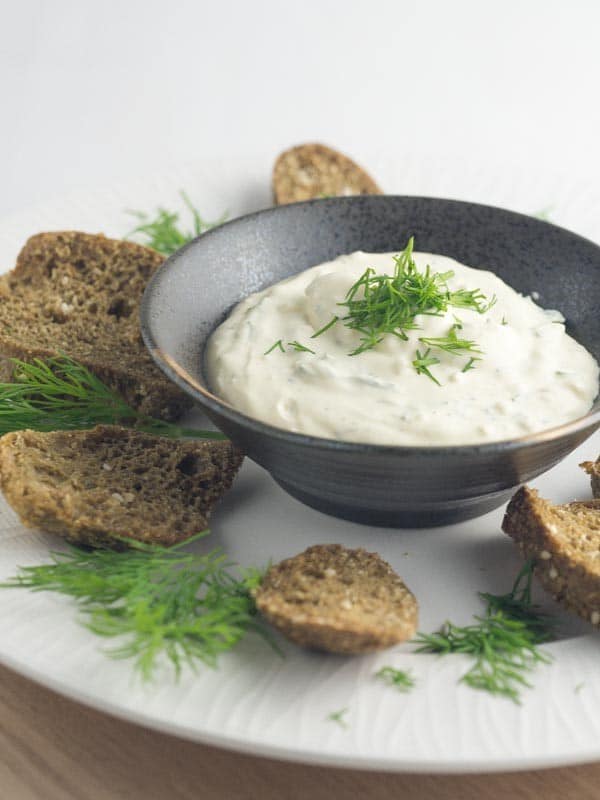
x=92, y=487
x=78, y=294
x=314, y=170
x=593, y=470
x=337, y=600
x=563, y=541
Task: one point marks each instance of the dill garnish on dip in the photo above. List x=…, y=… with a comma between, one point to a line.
x=405, y=349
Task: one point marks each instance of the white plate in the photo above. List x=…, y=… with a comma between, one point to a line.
x=257, y=702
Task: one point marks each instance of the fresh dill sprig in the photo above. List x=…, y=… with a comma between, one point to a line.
x=470, y=364
x=338, y=717
x=423, y=362
x=451, y=343
x=400, y=679
x=504, y=651
x=160, y=601
x=472, y=299
x=504, y=641
x=277, y=346
x=378, y=305
x=518, y=605
x=163, y=232
x=60, y=394
x=544, y=213
x=300, y=347
x=330, y=324
x=295, y=345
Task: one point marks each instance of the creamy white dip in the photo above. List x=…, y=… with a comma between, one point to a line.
x=531, y=375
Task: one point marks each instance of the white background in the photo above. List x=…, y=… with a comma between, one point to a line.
x=94, y=91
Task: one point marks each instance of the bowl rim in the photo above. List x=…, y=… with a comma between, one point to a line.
x=182, y=378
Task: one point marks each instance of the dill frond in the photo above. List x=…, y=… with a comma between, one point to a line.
x=163, y=231
x=157, y=601
x=470, y=364
x=60, y=394
x=451, y=343
x=400, y=679
x=338, y=717
x=277, y=346
x=301, y=348
x=379, y=305
x=423, y=362
x=503, y=642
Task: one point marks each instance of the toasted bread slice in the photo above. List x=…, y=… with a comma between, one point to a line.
x=564, y=541
x=94, y=486
x=314, y=170
x=593, y=470
x=338, y=600
x=78, y=295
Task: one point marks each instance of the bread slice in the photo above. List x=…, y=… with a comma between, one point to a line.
x=338, y=600
x=78, y=294
x=314, y=170
x=93, y=486
x=593, y=470
x=564, y=541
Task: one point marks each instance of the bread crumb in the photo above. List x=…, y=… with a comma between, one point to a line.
x=545, y=555
x=106, y=467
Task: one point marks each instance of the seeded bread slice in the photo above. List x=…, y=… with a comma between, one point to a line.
x=92, y=486
x=338, y=600
x=564, y=541
x=78, y=294
x=593, y=470
x=314, y=170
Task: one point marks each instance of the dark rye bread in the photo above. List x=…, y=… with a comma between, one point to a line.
x=338, y=600
x=593, y=470
x=78, y=294
x=314, y=170
x=91, y=486
x=564, y=541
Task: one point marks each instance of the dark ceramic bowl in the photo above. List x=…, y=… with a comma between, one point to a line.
x=197, y=287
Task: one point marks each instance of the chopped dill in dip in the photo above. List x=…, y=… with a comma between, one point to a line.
x=400, y=349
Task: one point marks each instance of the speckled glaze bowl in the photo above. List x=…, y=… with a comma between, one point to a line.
x=395, y=486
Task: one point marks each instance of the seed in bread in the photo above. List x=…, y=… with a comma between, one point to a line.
x=593, y=470
x=338, y=600
x=78, y=295
x=314, y=170
x=564, y=541
x=93, y=486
